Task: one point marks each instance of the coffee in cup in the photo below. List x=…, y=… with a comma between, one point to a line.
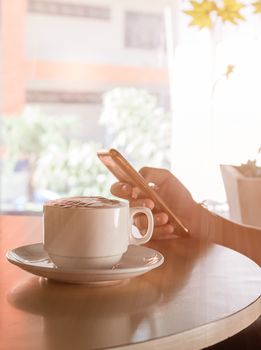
x=90, y=232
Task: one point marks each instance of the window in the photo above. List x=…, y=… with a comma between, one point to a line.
x=144, y=30
x=84, y=75
x=67, y=69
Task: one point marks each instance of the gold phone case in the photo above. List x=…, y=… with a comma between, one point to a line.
x=124, y=172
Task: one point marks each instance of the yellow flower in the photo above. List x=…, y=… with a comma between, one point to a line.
x=257, y=6
x=230, y=11
x=229, y=70
x=201, y=13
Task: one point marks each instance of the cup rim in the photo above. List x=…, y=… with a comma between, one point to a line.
x=51, y=204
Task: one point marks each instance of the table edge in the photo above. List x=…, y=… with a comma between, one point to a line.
x=213, y=332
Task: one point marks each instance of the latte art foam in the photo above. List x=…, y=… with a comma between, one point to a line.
x=83, y=202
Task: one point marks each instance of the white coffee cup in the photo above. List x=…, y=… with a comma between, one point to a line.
x=90, y=232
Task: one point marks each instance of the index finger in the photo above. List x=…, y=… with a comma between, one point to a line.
x=121, y=189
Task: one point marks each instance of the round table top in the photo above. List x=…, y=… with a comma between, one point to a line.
x=202, y=294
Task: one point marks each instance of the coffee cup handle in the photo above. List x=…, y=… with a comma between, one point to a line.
x=147, y=236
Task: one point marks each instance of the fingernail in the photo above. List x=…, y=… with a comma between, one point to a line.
x=135, y=193
x=150, y=205
x=145, y=205
x=171, y=229
x=124, y=188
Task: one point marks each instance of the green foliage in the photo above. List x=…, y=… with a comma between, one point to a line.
x=137, y=126
x=73, y=170
x=252, y=168
x=59, y=163
x=27, y=136
x=55, y=161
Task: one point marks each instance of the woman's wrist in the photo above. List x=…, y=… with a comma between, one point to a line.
x=200, y=220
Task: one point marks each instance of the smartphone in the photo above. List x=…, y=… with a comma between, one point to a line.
x=124, y=172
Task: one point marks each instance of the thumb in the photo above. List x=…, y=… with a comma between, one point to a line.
x=155, y=175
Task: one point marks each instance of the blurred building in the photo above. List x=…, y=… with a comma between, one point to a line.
x=62, y=55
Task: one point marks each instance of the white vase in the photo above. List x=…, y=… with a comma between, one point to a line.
x=243, y=196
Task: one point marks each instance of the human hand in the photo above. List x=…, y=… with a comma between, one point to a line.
x=171, y=190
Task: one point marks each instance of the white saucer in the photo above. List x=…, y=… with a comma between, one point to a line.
x=136, y=261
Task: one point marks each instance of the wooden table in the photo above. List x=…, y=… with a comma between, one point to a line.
x=202, y=294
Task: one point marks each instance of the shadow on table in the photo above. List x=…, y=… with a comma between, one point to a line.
x=77, y=316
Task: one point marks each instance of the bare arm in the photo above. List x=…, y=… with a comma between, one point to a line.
x=242, y=238
x=202, y=223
